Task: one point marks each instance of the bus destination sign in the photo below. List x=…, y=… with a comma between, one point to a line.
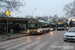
x=73, y=19
x=33, y=21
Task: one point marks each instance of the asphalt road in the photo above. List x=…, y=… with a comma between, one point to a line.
x=48, y=41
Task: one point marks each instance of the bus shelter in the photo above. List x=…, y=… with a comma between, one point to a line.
x=15, y=25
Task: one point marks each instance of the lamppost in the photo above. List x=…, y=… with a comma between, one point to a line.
x=33, y=11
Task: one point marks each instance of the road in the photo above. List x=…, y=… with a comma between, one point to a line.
x=48, y=41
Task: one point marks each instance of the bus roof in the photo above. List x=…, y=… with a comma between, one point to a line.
x=53, y=23
x=42, y=21
x=60, y=22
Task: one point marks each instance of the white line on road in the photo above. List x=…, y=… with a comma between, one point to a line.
x=13, y=47
x=53, y=45
x=41, y=45
x=25, y=47
x=65, y=46
x=4, y=46
x=11, y=41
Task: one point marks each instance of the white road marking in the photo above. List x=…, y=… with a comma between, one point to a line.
x=4, y=46
x=53, y=45
x=11, y=41
x=13, y=47
x=65, y=46
x=41, y=45
x=25, y=47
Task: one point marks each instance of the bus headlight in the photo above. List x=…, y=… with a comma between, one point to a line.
x=51, y=29
x=67, y=28
x=38, y=31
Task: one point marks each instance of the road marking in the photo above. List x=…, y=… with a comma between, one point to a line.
x=11, y=41
x=13, y=47
x=25, y=47
x=4, y=46
x=41, y=45
x=53, y=45
x=65, y=46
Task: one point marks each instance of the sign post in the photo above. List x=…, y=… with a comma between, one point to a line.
x=7, y=14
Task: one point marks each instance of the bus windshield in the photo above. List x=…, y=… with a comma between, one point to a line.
x=53, y=25
x=32, y=25
x=60, y=25
x=67, y=24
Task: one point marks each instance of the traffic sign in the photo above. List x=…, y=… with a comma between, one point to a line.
x=7, y=13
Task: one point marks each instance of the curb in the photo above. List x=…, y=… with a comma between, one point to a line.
x=11, y=38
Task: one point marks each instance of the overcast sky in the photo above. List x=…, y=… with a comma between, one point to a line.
x=43, y=7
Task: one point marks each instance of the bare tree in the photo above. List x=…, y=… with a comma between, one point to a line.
x=2, y=14
x=28, y=16
x=70, y=9
x=31, y=16
x=46, y=18
x=10, y=5
x=62, y=19
x=40, y=18
x=56, y=17
x=53, y=19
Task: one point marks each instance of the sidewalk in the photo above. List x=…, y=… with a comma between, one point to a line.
x=14, y=35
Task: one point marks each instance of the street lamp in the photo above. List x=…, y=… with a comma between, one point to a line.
x=33, y=11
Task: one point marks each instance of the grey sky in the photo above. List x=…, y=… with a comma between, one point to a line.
x=44, y=7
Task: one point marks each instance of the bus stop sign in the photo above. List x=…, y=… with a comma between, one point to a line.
x=7, y=13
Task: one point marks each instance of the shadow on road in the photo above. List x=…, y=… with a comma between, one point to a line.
x=70, y=41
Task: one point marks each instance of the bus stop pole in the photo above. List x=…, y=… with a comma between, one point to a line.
x=2, y=36
x=7, y=26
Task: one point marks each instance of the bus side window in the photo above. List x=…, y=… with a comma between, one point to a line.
x=39, y=25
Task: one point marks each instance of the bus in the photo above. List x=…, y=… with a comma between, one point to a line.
x=45, y=26
x=52, y=26
x=60, y=26
x=36, y=27
x=67, y=25
x=72, y=23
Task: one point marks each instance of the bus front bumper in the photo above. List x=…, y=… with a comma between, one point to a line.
x=35, y=32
